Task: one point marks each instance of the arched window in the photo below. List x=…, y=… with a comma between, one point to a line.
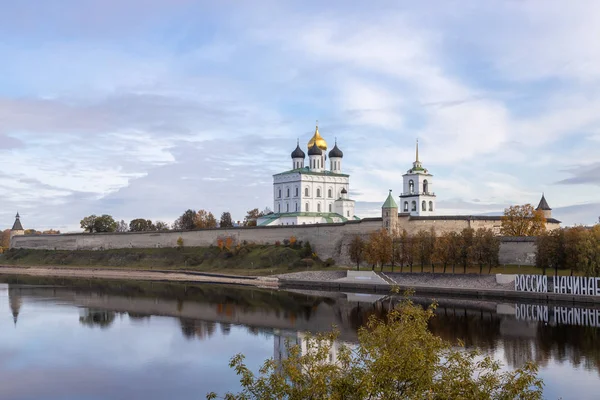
x=306, y=207
x=288, y=192
x=411, y=186
x=318, y=192
x=424, y=206
x=431, y=206
x=278, y=208
x=348, y=213
x=425, y=186
x=330, y=208
x=406, y=206
x=296, y=206
x=279, y=193
x=305, y=192
x=296, y=191
x=318, y=207
x=330, y=193
x=413, y=206
x=287, y=207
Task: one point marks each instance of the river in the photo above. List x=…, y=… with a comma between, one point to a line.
x=94, y=339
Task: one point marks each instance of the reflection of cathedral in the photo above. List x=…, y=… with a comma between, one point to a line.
x=283, y=340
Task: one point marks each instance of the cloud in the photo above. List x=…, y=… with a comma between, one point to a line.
x=586, y=174
x=207, y=101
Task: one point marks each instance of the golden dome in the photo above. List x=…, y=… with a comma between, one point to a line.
x=321, y=143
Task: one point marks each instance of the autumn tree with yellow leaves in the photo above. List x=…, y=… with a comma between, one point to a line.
x=523, y=221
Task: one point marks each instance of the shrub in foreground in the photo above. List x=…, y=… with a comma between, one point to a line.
x=398, y=358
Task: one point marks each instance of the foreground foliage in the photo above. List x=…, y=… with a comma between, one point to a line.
x=395, y=359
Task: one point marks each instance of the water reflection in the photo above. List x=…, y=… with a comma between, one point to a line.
x=99, y=318
x=224, y=320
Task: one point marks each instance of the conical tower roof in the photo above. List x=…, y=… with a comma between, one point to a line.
x=543, y=204
x=17, y=225
x=390, y=202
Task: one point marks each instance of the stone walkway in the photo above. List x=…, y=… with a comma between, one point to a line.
x=468, y=281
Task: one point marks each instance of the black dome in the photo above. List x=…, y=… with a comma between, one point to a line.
x=298, y=153
x=336, y=152
x=344, y=191
x=315, y=151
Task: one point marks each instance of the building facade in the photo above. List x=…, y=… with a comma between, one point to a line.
x=312, y=193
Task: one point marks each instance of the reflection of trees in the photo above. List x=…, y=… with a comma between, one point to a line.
x=580, y=345
x=476, y=328
x=101, y=318
x=191, y=328
x=225, y=328
x=138, y=316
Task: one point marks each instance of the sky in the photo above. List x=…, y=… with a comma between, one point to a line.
x=145, y=108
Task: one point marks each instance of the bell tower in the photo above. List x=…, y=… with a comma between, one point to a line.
x=417, y=198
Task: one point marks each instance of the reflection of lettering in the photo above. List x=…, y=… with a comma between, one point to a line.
x=531, y=312
x=577, y=285
x=577, y=316
x=559, y=315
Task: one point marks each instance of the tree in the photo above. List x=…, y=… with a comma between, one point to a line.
x=5, y=240
x=226, y=221
x=204, y=220
x=445, y=249
x=51, y=232
x=485, y=249
x=186, y=221
x=356, y=250
x=122, y=226
x=397, y=357
x=425, y=241
x=523, y=221
x=105, y=223
x=87, y=224
x=141, y=225
x=161, y=226
x=379, y=248
x=32, y=232
x=466, y=247
x=252, y=216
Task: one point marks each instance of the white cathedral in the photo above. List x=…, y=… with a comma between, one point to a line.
x=311, y=194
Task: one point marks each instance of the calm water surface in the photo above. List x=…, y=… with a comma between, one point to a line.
x=74, y=339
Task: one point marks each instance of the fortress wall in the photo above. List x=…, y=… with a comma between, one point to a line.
x=328, y=240
x=517, y=251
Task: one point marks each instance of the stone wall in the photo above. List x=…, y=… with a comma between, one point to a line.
x=328, y=240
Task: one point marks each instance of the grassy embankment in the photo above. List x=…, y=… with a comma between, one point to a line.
x=247, y=260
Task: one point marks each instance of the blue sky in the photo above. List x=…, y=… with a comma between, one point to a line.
x=144, y=108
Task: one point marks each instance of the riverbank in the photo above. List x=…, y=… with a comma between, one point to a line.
x=141, y=275
x=243, y=259
x=467, y=286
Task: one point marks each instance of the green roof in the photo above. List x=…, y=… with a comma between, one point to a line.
x=389, y=202
x=307, y=171
x=328, y=216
